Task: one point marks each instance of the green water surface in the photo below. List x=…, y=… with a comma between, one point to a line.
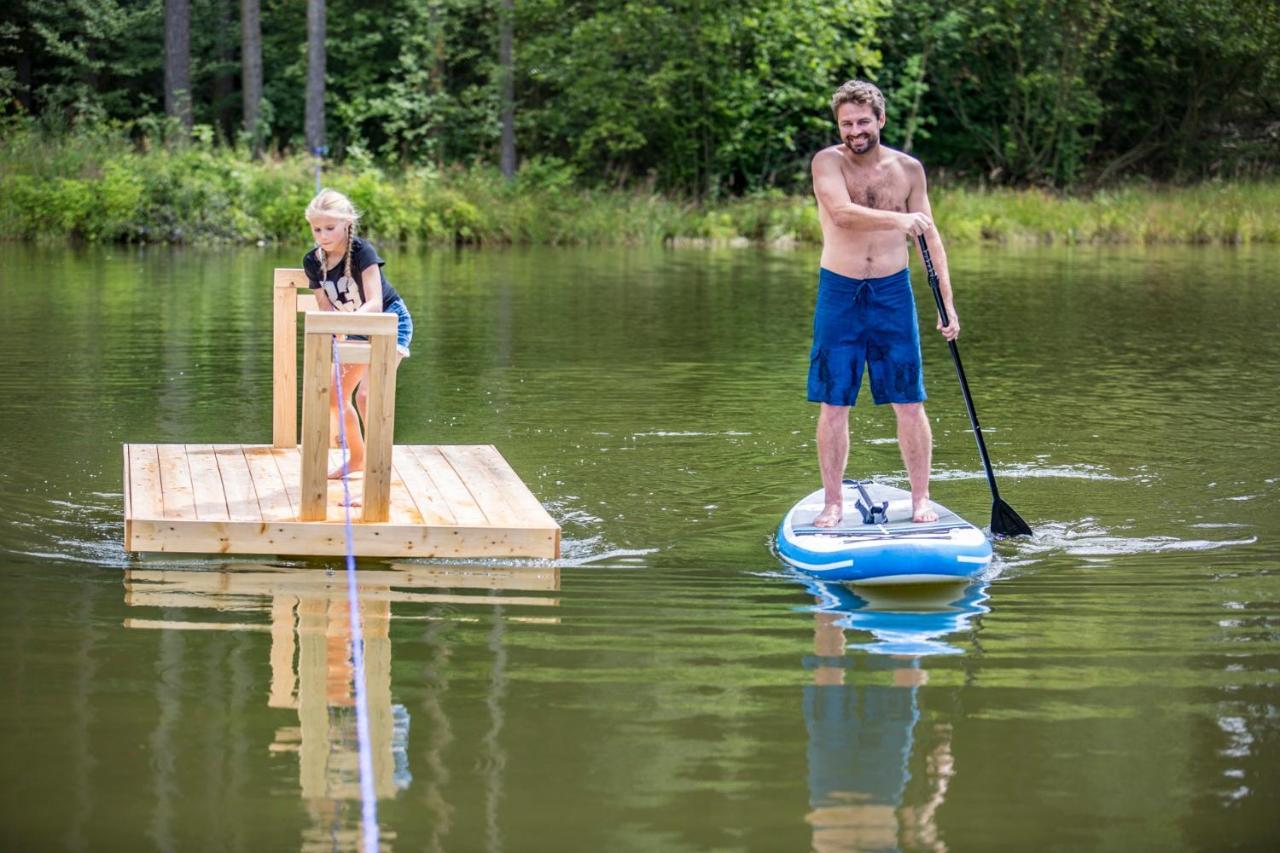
x=667, y=685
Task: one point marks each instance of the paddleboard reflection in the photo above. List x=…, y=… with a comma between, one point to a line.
x=905, y=620
x=879, y=762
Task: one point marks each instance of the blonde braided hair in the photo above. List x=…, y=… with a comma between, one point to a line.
x=335, y=204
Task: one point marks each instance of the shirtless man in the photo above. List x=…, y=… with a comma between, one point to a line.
x=871, y=200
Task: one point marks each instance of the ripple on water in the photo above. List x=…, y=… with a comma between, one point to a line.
x=89, y=532
x=1086, y=538
x=1029, y=470
x=662, y=433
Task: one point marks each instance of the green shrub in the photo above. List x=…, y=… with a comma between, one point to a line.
x=97, y=185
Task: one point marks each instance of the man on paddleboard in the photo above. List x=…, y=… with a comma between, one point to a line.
x=871, y=200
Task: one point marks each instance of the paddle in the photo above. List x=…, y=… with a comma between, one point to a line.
x=1004, y=521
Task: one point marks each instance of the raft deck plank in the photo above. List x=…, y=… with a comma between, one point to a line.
x=211, y=497
x=177, y=494
x=460, y=501
x=273, y=497
x=237, y=481
x=451, y=501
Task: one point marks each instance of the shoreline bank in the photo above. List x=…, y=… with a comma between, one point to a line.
x=206, y=195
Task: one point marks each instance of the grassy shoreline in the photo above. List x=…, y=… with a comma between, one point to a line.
x=99, y=188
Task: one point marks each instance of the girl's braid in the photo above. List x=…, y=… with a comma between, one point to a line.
x=351, y=248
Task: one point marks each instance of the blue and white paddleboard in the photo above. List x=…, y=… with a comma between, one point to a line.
x=877, y=542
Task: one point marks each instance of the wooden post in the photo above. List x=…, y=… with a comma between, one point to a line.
x=375, y=615
x=313, y=705
x=317, y=382
x=128, y=504
x=284, y=358
x=380, y=429
x=283, y=632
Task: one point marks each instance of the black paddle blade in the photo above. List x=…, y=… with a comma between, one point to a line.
x=1006, y=522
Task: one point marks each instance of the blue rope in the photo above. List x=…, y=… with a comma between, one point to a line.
x=368, y=799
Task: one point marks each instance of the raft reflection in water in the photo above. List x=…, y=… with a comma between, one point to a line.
x=311, y=661
x=879, y=765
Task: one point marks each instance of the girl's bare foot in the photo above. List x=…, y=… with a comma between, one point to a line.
x=830, y=516
x=351, y=469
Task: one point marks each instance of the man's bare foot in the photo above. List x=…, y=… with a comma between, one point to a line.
x=830, y=516
x=923, y=512
x=350, y=469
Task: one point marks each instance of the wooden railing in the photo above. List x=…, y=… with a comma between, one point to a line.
x=379, y=353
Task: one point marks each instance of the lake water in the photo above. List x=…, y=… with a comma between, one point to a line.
x=1111, y=684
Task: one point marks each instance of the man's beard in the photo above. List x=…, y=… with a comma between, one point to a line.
x=866, y=145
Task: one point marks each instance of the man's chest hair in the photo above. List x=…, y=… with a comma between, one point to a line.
x=883, y=188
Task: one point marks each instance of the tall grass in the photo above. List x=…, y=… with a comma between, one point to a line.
x=1227, y=213
x=102, y=186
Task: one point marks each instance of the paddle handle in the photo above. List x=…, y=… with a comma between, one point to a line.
x=955, y=357
x=934, y=285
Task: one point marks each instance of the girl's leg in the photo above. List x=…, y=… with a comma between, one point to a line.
x=352, y=375
x=404, y=334
x=362, y=393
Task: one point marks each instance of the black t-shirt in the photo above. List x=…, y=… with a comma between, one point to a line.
x=343, y=293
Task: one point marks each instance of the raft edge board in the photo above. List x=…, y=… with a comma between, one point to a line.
x=310, y=538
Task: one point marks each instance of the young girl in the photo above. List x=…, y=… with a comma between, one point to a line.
x=346, y=274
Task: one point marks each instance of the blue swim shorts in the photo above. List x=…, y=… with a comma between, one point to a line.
x=404, y=327
x=865, y=321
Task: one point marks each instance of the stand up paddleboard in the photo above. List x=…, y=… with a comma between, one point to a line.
x=877, y=542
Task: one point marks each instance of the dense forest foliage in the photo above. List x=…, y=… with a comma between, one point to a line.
x=701, y=98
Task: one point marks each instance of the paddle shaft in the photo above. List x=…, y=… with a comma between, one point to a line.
x=955, y=356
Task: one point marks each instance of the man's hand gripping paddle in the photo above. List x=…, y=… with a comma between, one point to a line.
x=1004, y=521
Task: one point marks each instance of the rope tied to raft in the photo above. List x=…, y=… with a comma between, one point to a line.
x=368, y=799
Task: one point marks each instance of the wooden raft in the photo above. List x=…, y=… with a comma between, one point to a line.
x=417, y=500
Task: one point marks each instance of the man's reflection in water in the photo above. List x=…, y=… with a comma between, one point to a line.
x=864, y=721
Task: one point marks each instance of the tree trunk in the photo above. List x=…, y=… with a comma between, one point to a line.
x=314, y=121
x=436, y=25
x=506, y=73
x=177, y=60
x=24, y=80
x=251, y=70
x=224, y=84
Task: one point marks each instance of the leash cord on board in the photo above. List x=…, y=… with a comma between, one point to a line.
x=368, y=799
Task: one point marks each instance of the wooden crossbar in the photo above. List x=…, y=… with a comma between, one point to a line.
x=350, y=323
x=354, y=352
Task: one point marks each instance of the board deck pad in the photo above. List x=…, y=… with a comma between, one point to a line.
x=899, y=514
x=895, y=549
